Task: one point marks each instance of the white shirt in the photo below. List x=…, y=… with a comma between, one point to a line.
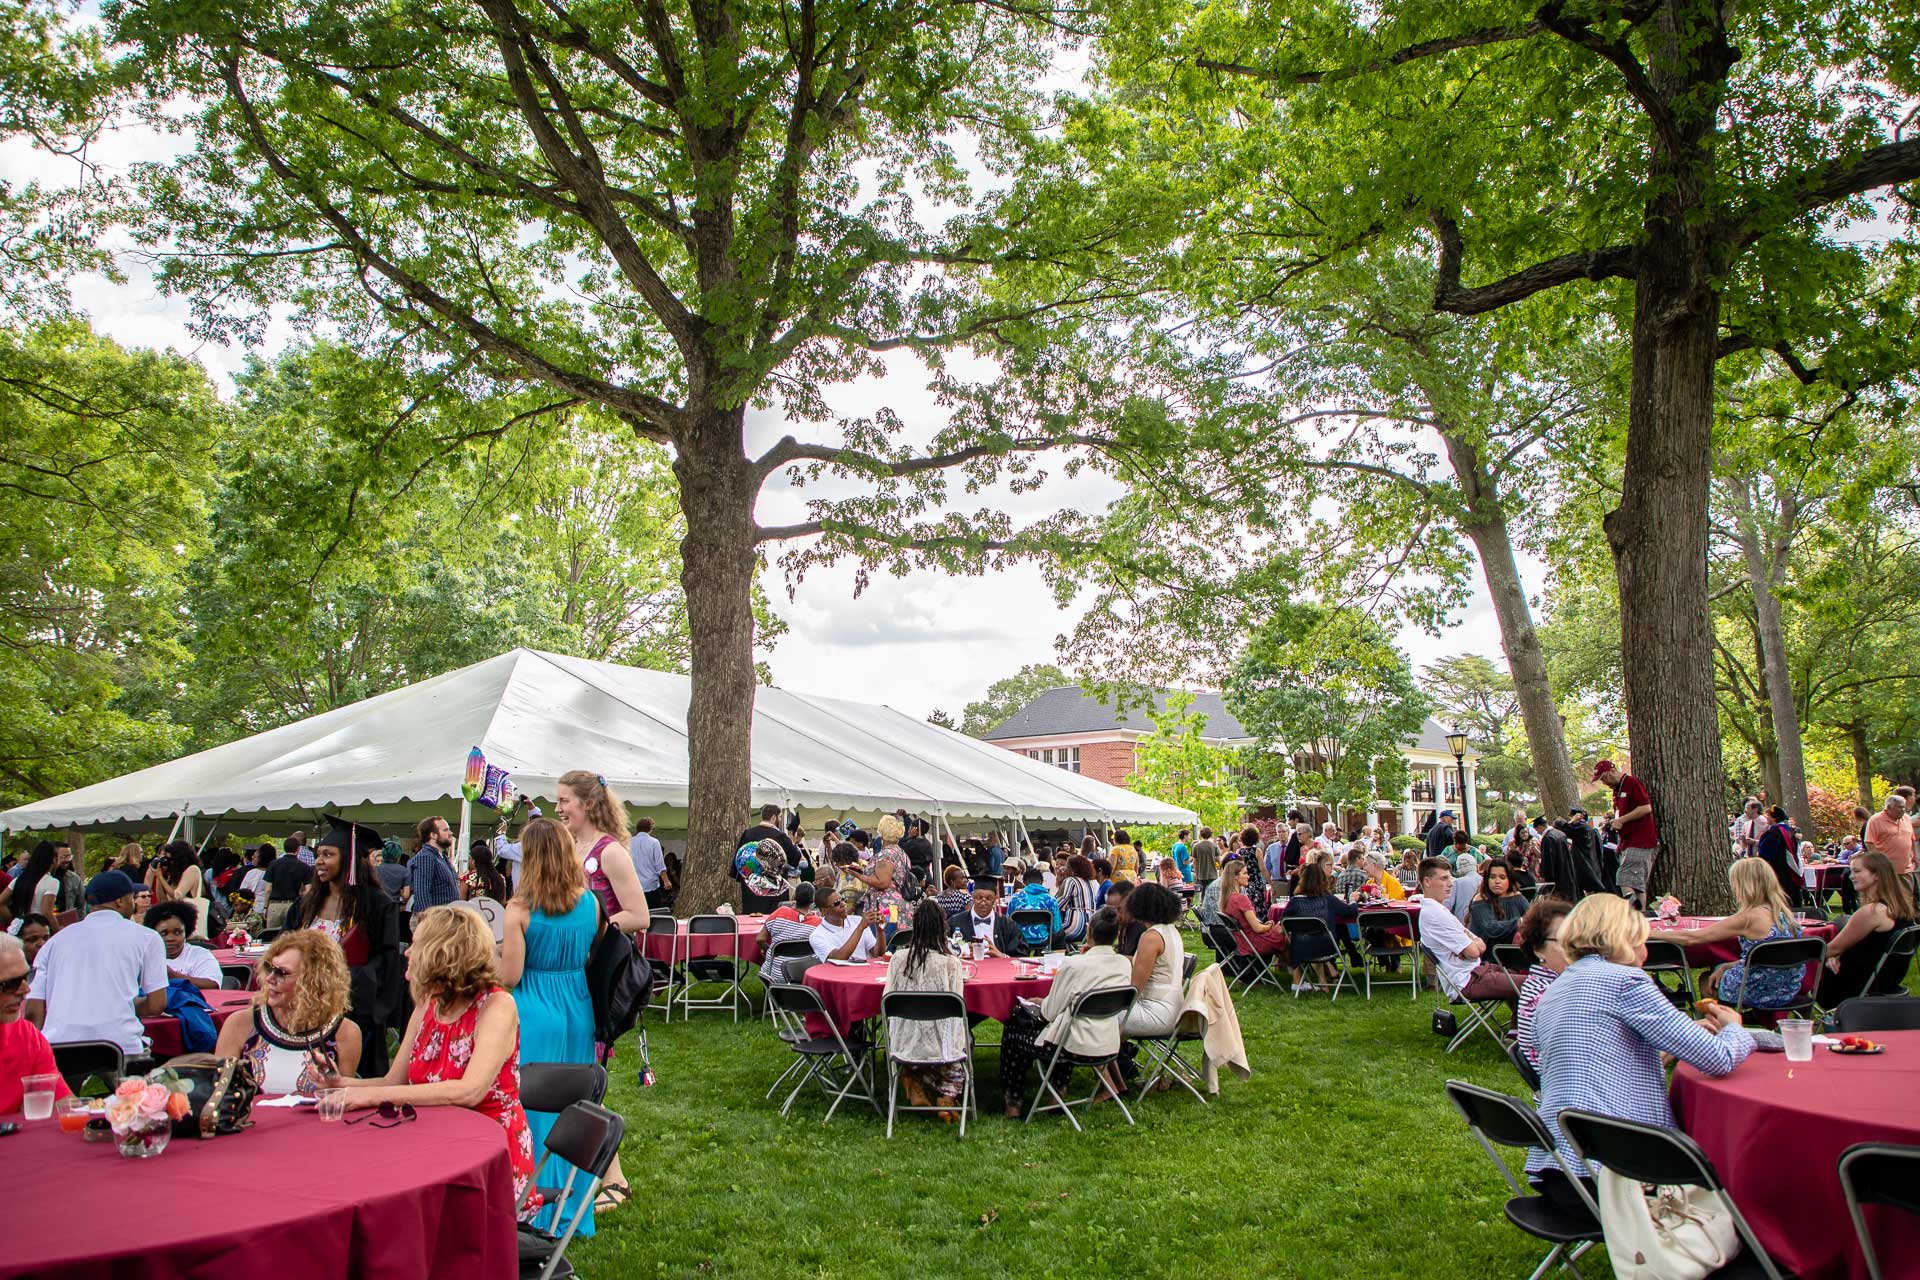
x=194, y=962
x=649, y=860
x=1442, y=934
x=828, y=937
x=982, y=929
x=90, y=973
x=508, y=852
x=251, y=884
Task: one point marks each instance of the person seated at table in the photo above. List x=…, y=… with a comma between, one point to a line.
x=1102, y=882
x=461, y=1047
x=930, y=1053
x=1761, y=914
x=1886, y=907
x=345, y=902
x=1457, y=953
x=1408, y=870
x=1252, y=935
x=840, y=936
x=1076, y=899
x=1539, y=936
x=1466, y=878
x=1375, y=865
x=1170, y=877
x=1033, y=896
x=23, y=1050
x=296, y=1033
x=1494, y=914
x=1207, y=906
x=1601, y=1029
x=173, y=921
x=1130, y=929
x=1158, y=958
x=1033, y=1026
x=982, y=921
x=1353, y=871
x=33, y=932
x=1313, y=899
x=792, y=921
x=1519, y=872
x=95, y=979
x=953, y=896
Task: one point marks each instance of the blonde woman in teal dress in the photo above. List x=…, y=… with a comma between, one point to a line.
x=550, y=926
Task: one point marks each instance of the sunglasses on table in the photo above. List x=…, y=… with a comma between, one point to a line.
x=388, y=1115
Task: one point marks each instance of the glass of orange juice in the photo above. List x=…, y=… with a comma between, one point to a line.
x=72, y=1113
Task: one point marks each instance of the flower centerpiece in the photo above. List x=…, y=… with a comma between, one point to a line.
x=1370, y=892
x=1668, y=908
x=141, y=1112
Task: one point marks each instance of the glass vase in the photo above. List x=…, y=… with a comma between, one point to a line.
x=148, y=1138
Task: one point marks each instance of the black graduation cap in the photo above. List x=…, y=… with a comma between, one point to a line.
x=355, y=837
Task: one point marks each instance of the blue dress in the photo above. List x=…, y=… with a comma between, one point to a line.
x=1771, y=986
x=556, y=1025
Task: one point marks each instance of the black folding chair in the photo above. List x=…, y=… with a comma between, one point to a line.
x=1883, y=1174
x=1036, y=918
x=1240, y=970
x=1530, y=891
x=663, y=926
x=1803, y=954
x=236, y=977
x=903, y=939
x=1301, y=928
x=926, y=1006
x=1477, y=1014
x=724, y=968
x=1496, y=1118
x=1511, y=956
x=586, y=1136
x=781, y=964
x=1524, y=1065
x=1105, y=1004
x=1890, y=975
x=555, y=1086
x=1260, y=972
x=77, y=1059
x=1384, y=945
x=1879, y=1013
x=1162, y=1053
x=1669, y=959
x=1662, y=1157
x=824, y=1054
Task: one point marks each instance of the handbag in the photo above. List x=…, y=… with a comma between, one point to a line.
x=1664, y=1233
x=220, y=1094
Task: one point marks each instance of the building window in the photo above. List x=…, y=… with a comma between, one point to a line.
x=1070, y=759
x=1452, y=785
x=1067, y=758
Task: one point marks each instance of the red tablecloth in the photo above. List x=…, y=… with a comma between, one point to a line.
x=164, y=1030
x=1727, y=950
x=1775, y=1131
x=852, y=992
x=1826, y=877
x=1413, y=914
x=301, y=1199
x=707, y=945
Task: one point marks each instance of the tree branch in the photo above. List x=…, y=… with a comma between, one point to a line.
x=1400, y=57
x=1805, y=190
x=1619, y=262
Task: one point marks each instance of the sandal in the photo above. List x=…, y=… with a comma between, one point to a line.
x=610, y=1198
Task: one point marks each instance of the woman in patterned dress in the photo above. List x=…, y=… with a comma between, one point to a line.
x=1762, y=915
x=462, y=1047
x=883, y=881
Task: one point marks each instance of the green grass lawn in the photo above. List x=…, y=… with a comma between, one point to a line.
x=1341, y=1156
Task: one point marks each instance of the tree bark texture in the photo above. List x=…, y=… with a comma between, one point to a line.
x=1862, y=762
x=718, y=562
x=1486, y=525
x=1763, y=564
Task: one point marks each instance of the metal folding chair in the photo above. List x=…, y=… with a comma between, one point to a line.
x=1260, y=971
x=926, y=1006
x=555, y=1086
x=1664, y=958
x=1102, y=1005
x=1663, y=1157
x=1299, y=928
x=78, y=1059
x=777, y=965
x=1889, y=977
x=1035, y=917
x=1495, y=1118
x=824, y=1054
x=586, y=1136
x=663, y=927
x=1529, y=1073
x=1806, y=954
x=236, y=977
x=1883, y=1174
x=723, y=968
x=1383, y=919
x=1879, y=1013
x=1478, y=1013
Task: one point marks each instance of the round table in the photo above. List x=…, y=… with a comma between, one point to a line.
x=684, y=946
x=1775, y=1130
x=1708, y=954
x=430, y=1198
x=852, y=992
x=164, y=1029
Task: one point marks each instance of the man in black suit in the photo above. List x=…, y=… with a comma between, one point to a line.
x=982, y=921
x=1440, y=836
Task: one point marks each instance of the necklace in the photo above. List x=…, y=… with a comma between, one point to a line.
x=274, y=1033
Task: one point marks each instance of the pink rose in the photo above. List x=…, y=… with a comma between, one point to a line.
x=153, y=1099
x=131, y=1087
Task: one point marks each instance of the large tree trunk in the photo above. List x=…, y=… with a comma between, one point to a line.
x=1659, y=539
x=1486, y=525
x=1862, y=762
x=1762, y=563
x=718, y=563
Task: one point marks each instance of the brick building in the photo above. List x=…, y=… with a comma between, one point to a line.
x=1069, y=729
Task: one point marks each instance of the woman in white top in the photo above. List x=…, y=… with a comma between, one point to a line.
x=297, y=1032
x=930, y=1053
x=1157, y=962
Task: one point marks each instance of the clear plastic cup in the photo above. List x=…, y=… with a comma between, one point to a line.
x=36, y=1102
x=1797, y=1035
x=333, y=1104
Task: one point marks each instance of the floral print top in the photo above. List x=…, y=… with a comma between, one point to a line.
x=878, y=900
x=441, y=1052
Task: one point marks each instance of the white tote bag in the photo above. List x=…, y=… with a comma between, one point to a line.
x=1674, y=1233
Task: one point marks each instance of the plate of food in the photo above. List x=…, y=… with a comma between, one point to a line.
x=1856, y=1044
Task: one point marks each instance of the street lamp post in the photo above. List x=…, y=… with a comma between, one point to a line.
x=1457, y=743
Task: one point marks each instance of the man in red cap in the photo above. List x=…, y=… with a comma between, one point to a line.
x=1633, y=822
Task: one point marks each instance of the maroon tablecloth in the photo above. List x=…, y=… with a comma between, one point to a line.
x=1775, y=1131
x=164, y=1030
x=707, y=945
x=1727, y=950
x=1413, y=914
x=290, y=1198
x=852, y=992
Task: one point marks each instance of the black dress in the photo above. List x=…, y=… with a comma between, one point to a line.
x=1856, y=966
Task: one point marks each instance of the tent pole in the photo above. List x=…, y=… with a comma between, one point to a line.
x=178, y=818
x=460, y=856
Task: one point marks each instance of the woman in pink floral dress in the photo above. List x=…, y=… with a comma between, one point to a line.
x=462, y=1047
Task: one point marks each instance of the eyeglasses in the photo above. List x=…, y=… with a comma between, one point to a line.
x=389, y=1115
x=274, y=973
x=10, y=985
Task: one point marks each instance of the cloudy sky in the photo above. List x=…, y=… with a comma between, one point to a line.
x=918, y=643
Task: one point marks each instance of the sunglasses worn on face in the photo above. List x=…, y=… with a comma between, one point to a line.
x=10, y=985
x=389, y=1114
x=274, y=973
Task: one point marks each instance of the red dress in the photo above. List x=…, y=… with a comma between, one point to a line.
x=442, y=1051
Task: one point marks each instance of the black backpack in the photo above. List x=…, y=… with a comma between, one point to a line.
x=620, y=981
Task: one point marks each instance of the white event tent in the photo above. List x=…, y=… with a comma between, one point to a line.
x=401, y=755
